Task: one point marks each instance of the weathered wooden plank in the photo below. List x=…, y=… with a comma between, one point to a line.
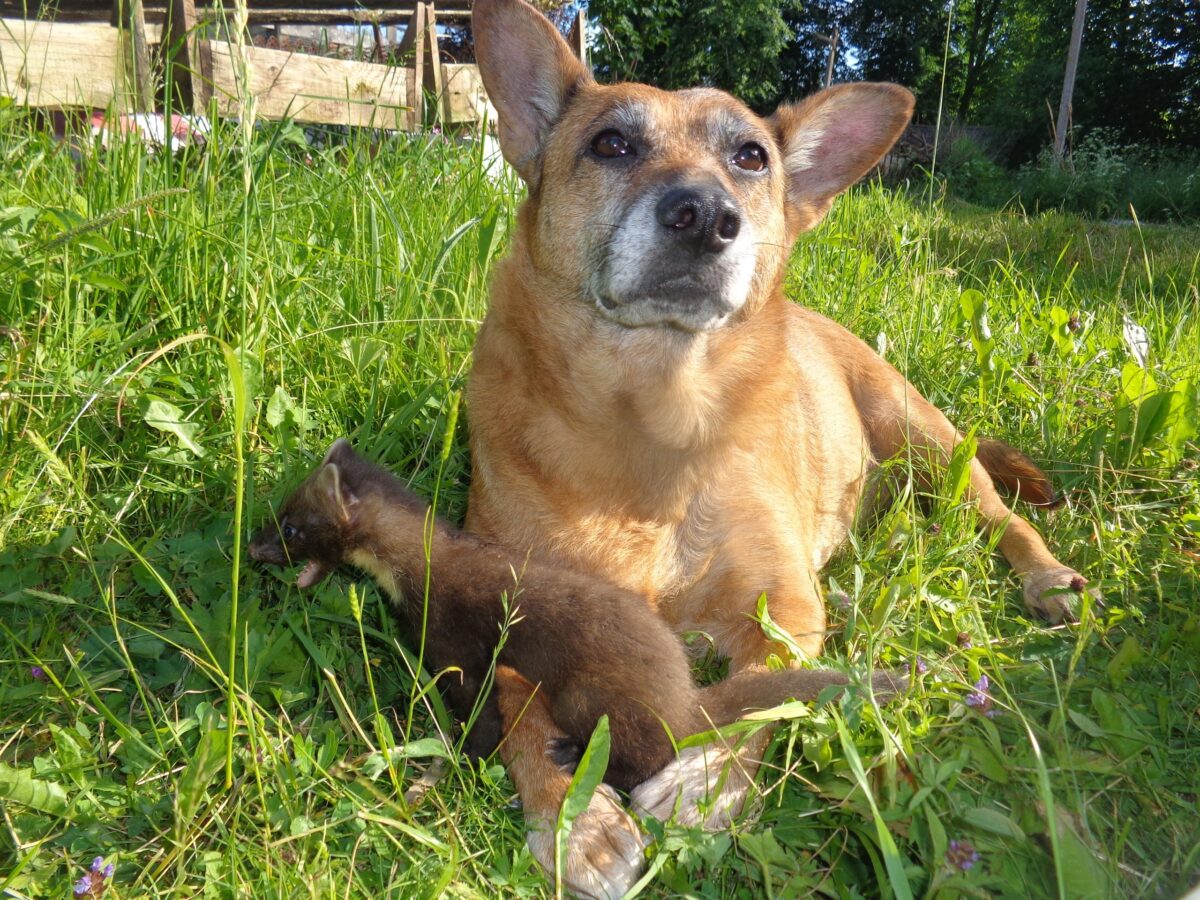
x=139, y=58
x=156, y=12
x=578, y=37
x=182, y=56
x=58, y=65
x=314, y=89
x=432, y=80
x=465, y=99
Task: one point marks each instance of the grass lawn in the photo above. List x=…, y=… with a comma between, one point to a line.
x=177, y=349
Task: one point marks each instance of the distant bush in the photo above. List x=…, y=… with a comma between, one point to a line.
x=974, y=176
x=1100, y=178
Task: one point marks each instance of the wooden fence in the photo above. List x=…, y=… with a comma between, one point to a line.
x=123, y=64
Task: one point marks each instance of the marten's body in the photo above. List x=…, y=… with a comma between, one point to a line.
x=591, y=648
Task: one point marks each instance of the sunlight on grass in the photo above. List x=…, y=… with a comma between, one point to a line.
x=348, y=286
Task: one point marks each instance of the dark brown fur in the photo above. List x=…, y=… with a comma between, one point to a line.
x=593, y=648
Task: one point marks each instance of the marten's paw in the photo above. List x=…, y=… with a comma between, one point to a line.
x=705, y=785
x=1054, y=594
x=604, y=850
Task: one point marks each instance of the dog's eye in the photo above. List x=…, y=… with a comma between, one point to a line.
x=289, y=532
x=750, y=157
x=610, y=144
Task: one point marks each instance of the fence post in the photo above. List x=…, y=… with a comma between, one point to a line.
x=578, y=38
x=137, y=58
x=185, y=56
x=433, y=70
x=414, y=42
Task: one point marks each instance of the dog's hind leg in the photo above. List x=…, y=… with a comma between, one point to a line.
x=603, y=856
x=896, y=417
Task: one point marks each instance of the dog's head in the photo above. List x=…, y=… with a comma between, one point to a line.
x=672, y=209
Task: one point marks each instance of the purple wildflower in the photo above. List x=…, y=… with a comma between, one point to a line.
x=962, y=855
x=981, y=700
x=37, y=673
x=920, y=666
x=980, y=696
x=95, y=882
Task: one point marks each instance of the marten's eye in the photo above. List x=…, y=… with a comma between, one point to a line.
x=289, y=532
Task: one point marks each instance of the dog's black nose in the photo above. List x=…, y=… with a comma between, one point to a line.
x=703, y=219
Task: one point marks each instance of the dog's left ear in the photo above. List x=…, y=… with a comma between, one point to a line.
x=832, y=139
x=529, y=72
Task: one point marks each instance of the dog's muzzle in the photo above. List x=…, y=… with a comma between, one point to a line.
x=683, y=258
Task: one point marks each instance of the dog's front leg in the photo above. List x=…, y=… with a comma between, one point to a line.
x=898, y=417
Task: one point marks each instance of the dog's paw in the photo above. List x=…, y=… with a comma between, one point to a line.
x=604, y=854
x=1054, y=594
x=685, y=788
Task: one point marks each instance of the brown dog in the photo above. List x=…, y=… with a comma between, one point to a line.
x=645, y=403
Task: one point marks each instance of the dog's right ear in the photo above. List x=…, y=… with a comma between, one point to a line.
x=832, y=139
x=529, y=72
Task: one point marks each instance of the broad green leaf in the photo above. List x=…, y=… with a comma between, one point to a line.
x=1088, y=879
x=994, y=821
x=205, y=765
x=19, y=786
x=987, y=761
x=281, y=409
x=958, y=472
x=1086, y=724
x=1124, y=660
x=168, y=417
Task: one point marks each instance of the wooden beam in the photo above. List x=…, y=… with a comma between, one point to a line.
x=45, y=64
x=140, y=74
x=432, y=81
x=314, y=89
x=578, y=38
x=296, y=15
x=466, y=100
x=411, y=43
x=188, y=57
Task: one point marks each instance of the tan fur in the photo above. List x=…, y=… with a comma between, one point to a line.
x=719, y=448
x=700, y=469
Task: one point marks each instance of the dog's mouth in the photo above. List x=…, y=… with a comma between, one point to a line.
x=682, y=302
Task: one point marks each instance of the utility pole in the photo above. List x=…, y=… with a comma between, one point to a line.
x=832, y=41
x=1064, y=106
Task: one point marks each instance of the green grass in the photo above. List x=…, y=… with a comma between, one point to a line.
x=349, y=287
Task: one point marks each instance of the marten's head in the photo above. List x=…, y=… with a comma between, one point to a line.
x=327, y=516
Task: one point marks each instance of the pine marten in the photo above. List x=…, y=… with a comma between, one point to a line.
x=589, y=647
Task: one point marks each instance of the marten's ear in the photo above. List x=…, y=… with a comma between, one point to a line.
x=337, y=450
x=330, y=481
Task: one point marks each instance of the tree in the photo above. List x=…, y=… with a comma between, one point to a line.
x=752, y=48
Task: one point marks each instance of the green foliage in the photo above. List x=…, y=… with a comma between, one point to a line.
x=1100, y=178
x=972, y=175
x=730, y=44
x=352, y=286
